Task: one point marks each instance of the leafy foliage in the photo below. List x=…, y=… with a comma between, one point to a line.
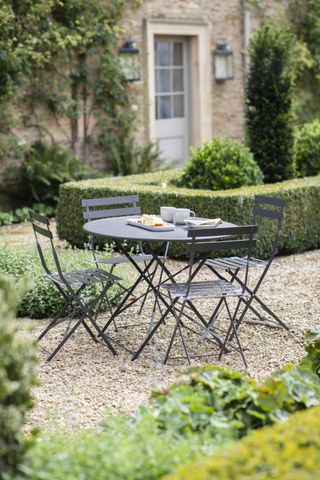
x=307, y=149
x=22, y=214
x=45, y=168
x=290, y=450
x=43, y=299
x=118, y=122
x=227, y=405
x=17, y=362
x=269, y=113
x=304, y=22
x=220, y=165
x=74, y=44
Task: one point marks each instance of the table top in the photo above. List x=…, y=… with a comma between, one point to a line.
x=117, y=228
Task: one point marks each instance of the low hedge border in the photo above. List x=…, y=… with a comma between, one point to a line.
x=286, y=451
x=301, y=226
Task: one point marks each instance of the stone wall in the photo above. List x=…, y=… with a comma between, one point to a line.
x=225, y=21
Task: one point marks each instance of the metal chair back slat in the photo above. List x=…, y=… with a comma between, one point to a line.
x=45, y=232
x=100, y=202
x=270, y=200
x=223, y=245
x=42, y=231
x=112, y=212
x=263, y=212
x=93, y=213
x=39, y=218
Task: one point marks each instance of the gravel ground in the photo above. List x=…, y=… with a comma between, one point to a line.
x=85, y=381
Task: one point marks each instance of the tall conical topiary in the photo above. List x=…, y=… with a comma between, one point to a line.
x=269, y=113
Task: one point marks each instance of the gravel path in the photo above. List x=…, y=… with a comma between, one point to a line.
x=85, y=381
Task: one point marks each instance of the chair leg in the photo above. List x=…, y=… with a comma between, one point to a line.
x=233, y=328
x=153, y=331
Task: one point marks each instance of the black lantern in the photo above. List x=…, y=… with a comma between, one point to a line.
x=223, y=62
x=130, y=62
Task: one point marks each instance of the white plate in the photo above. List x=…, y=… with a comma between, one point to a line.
x=166, y=228
x=203, y=222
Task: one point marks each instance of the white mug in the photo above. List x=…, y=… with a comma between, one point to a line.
x=182, y=214
x=167, y=213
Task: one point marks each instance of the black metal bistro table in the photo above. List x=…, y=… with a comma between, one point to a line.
x=120, y=232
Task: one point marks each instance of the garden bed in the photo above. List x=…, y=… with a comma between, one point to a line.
x=300, y=230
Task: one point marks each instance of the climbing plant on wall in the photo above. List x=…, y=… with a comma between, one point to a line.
x=64, y=53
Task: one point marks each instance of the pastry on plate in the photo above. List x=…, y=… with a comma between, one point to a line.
x=151, y=221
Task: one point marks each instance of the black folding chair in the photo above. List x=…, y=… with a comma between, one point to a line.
x=269, y=209
x=203, y=241
x=71, y=285
x=98, y=208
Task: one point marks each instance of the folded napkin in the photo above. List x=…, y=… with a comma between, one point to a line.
x=208, y=222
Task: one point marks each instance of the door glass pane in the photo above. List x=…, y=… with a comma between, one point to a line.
x=162, y=53
x=177, y=54
x=163, y=81
x=178, y=106
x=164, y=106
x=178, y=80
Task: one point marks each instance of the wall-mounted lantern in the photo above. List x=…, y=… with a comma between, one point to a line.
x=223, y=62
x=130, y=61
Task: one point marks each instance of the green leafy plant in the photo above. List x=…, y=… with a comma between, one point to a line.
x=21, y=215
x=221, y=164
x=307, y=149
x=74, y=44
x=43, y=299
x=17, y=362
x=225, y=403
x=45, y=168
x=269, y=112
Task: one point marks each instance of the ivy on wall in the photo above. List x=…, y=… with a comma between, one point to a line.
x=62, y=55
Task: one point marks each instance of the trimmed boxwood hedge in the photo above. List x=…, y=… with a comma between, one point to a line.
x=301, y=226
x=286, y=451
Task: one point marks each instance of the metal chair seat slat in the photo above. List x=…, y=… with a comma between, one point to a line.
x=214, y=288
x=123, y=259
x=235, y=263
x=101, y=275
x=86, y=277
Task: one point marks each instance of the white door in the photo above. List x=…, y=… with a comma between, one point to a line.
x=171, y=100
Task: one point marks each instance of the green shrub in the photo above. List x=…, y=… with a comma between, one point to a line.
x=300, y=230
x=269, y=114
x=307, y=149
x=43, y=299
x=288, y=451
x=45, y=167
x=221, y=164
x=17, y=362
